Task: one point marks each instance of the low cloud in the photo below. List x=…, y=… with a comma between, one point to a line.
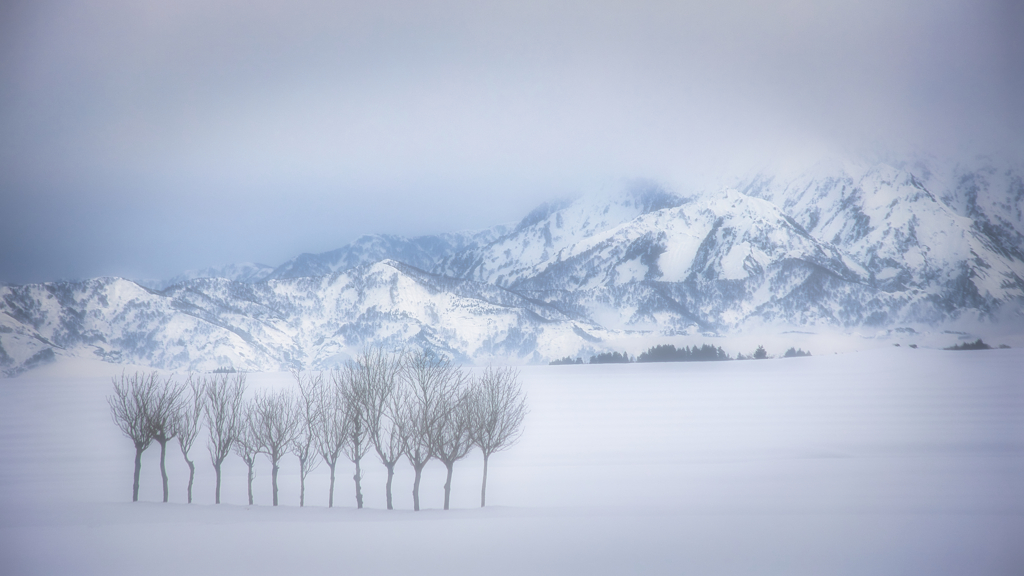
x=147, y=137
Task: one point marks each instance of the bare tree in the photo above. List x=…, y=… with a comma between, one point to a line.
x=307, y=413
x=376, y=374
x=426, y=379
x=275, y=425
x=247, y=444
x=356, y=441
x=452, y=441
x=162, y=413
x=186, y=424
x=332, y=425
x=389, y=441
x=497, y=408
x=223, y=410
x=129, y=407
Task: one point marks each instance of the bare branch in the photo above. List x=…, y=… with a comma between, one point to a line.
x=332, y=425
x=247, y=444
x=497, y=408
x=352, y=392
x=375, y=375
x=426, y=378
x=275, y=424
x=223, y=409
x=308, y=413
x=129, y=407
x=186, y=424
x=451, y=441
x=162, y=413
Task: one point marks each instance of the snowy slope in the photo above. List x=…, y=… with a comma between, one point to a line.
x=119, y=321
x=705, y=264
x=991, y=194
x=841, y=245
x=424, y=252
x=911, y=239
x=551, y=233
x=242, y=272
x=281, y=324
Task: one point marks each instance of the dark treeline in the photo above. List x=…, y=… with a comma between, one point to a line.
x=669, y=353
x=662, y=353
x=602, y=358
x=610, y=358
x=976, y=345
x=412, y=406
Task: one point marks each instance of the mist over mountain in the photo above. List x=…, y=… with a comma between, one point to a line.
x=911, y=245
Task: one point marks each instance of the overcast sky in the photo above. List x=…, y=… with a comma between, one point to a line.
x=141, y=138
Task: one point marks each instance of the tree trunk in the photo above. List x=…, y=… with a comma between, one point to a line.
x=302, y=482
x=359, y=488
x=416, y=488
x=216, y=467
x=250, y=463
x=273, y=475
x=330, y=497
x=483, y=487
x=191, y=477
x=391, y=474
x=138, y=472
x=303, y=472
x=163, y=466
x=448, y=483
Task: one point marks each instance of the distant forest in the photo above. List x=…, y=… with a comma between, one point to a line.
x=976, y=345
x=663, y=353
x=669, y=353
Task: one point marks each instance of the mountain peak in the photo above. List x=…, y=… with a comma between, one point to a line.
x=849, y=244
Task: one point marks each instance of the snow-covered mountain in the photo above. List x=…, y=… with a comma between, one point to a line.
x=424, y=252
x=843, y=244
x=683, y=266
x=546, y=233
x=309, y=322
x=244, y=272
x=951, y=240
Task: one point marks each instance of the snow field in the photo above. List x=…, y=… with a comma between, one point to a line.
x=890, y=461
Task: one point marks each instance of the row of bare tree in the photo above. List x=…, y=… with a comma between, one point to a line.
x=414, y=405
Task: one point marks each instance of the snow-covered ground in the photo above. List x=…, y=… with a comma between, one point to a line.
x=888, y=461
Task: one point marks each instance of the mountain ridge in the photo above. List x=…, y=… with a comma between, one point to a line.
x=842, y=244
